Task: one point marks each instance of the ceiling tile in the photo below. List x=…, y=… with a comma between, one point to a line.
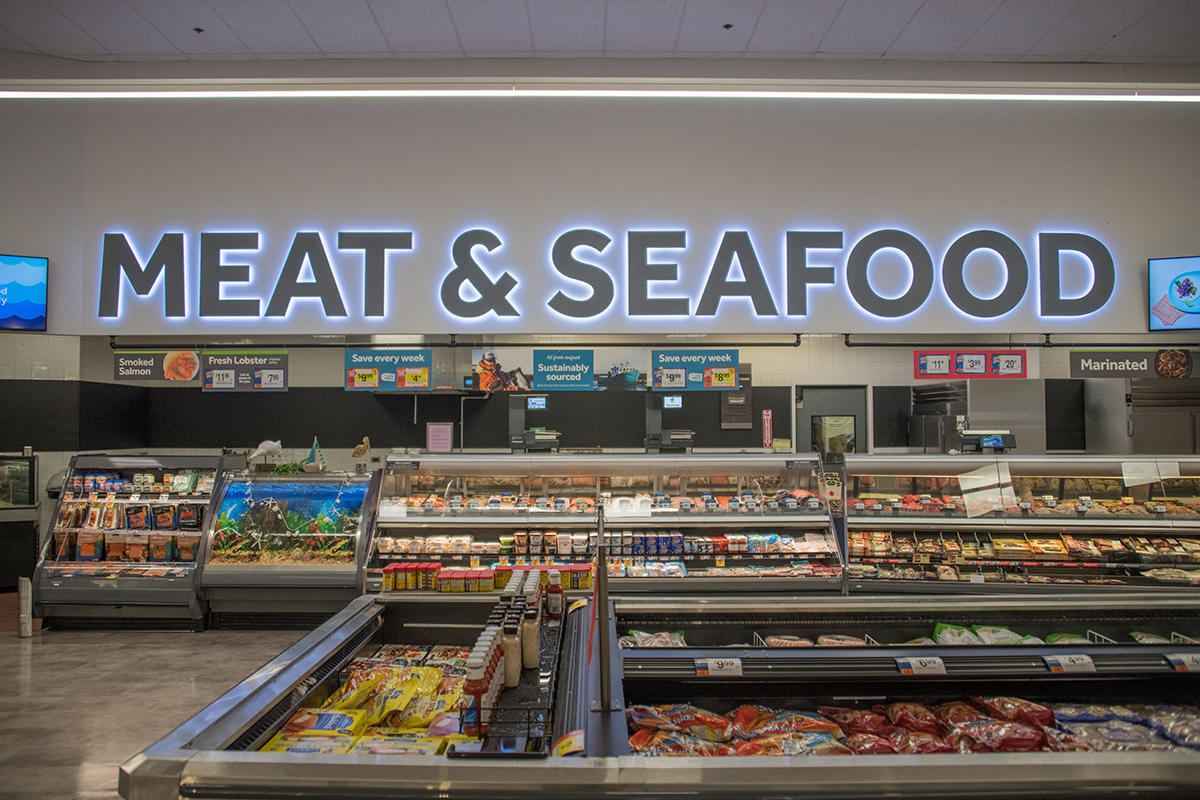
x=1187, y=51
x=117, y=27
x=1089, y=27
x=176, y=19
x=941, y=27
x=788, y=27
x=417, y=26
x=1014, y=26
x=347, y=26
x=567, y=26
x=642, y=26
x=702, y=29
x=47, y=30
x=489, y=28
x=10, y=41
x=1156, y=32
x=269, y=28
x=868, y=26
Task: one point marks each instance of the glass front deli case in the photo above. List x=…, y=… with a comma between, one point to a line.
x=685, y=523
x=285, y=547
x=18, y=518
x=124, y=539
x=964, y=524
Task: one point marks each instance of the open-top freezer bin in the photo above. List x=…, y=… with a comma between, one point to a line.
x=968, y=524
x=286, y=548
x=672, y=523
x=124, y=538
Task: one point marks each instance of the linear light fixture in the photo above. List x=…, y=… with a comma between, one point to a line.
x=1188, y=95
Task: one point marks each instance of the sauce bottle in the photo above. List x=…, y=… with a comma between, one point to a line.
x=476, y=691
x=554, y=596
x=512, y=656
x=530, y=657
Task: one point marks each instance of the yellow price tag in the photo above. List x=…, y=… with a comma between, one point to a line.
x=720, y=561
x=571, y=743
x=416, y=377
x=578, y=604
x=720, y=377
x=474, y=562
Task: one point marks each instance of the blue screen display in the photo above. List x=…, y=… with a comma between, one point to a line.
x=23, y=293
x=1174, y=293
x=672, y=401
x=991, y=441
x=535, y=403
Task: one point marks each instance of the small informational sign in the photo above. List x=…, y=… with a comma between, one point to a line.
x=439, y=437
x=920, y=665
x=1184, y=662
x=572, y=742
x=388, y=370
x=178, y=367
x=768, y=432
x=563, y=370
x=935, y=364
x=1070, y=663
x=718, y=667
x=244, y=370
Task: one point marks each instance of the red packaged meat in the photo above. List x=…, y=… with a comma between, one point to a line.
x=956, y=712
x=1060, y=741
x=854, y=720
x=912, y=716
x=697, y=722
x=665, y=743
x=793, y=744
x=1018, y=710
x=919, y=742
x=868, y=744
x=756, y=722
x=996, y=736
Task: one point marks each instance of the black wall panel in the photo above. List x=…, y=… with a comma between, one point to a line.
x=43, y=414
x=112, y=416
x=891, y=406
x=593, y=419
x=1065, y=414
x=701, y=413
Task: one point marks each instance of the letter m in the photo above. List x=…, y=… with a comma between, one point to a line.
x=118, y=257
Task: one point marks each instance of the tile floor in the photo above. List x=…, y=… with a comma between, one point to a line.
x=79, y=703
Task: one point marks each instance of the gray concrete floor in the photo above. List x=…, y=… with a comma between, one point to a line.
x=76, y=704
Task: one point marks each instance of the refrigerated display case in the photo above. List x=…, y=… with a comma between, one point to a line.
x=963, y=524
x=19, y=504
x=685, y=523
x=285, y=548
x=724, y=665
x=123, y=540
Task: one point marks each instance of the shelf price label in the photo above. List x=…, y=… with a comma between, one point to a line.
x=1072, y=663
x=1184, y=662
x=570, y=743
x=921, y=665
x=921, y=558
x=474, y=562
x=720, y=561
x=718, y=667
x=720, y=378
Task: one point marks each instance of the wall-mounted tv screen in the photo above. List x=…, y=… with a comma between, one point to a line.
x=672, y=401
x=535, y=402
x=23, y=293
x=1174, y=293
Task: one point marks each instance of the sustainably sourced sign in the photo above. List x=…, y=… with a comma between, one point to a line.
x=558, y=370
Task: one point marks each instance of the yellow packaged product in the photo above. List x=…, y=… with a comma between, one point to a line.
x=361, y=685
x=422, y=712
x=325, y=722
x=284, y=743
x=392, y=696
x=408, y=744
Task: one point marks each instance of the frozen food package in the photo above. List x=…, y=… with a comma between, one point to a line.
x=840, y=640
x=115, y=547
x=376, y=742
x=137, y=516
x=1141, y=637
x=1180, y=724
x=1016, y=709
x=191, y=515
x=754, y=722
x=947, y=634
x=990, y=735
x=792, y=744
x=1092, y=712
x=1117, y=735
x=1030, y=640
x=996, y=634
x=421, y=712
x=1066, y=638
x=410, y=651
x=921, y=641
x=870, y=744
x=290, y=743
x=698, y=723
x=956, y=712
x=137, y=546
x=164, y=516
x=1059, y=741
x=185, y=546
x=911, y=716
x=666, y=743
x=854, y=720
x=787, y=641
x=649, y=718
x=660, y=639
x=919, y=742
x=325, y=722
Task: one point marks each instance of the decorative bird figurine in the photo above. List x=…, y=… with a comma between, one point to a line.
x=266, y=448
x=361, y=450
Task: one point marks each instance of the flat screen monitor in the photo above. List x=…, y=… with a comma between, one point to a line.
x=535, y=402
x=1174, y=293
x=672, y=401
x=23, y=293
x=991, y=441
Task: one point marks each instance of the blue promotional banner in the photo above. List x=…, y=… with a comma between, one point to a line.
x=690, y=370
x=388, y=370
x=563, y=370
